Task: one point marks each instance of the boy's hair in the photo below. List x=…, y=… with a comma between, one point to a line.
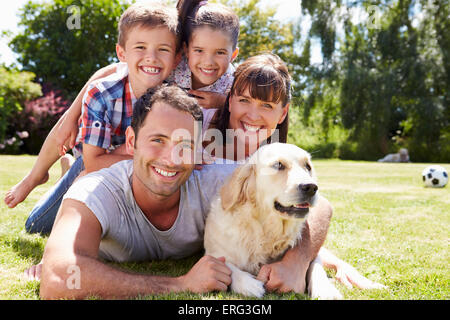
x=194, y=14
x=150, y=15
x=267, y=78
x=169, y=94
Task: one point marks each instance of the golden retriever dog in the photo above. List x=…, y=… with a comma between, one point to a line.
x=259, y=214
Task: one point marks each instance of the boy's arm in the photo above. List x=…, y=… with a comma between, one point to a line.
x=66, y=129
x=96, y=158
x=71, y=268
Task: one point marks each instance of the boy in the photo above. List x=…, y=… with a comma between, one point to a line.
x=148, y=43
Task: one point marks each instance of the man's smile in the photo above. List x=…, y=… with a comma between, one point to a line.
x=165, y=173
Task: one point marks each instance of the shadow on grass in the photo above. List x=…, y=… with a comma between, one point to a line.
x=26, y=248
x=34, y=248
x=175, y=268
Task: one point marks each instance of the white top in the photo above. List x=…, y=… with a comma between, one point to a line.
x=127, y=234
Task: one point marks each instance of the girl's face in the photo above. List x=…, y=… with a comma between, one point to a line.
x=209, y=54
x=256, y=119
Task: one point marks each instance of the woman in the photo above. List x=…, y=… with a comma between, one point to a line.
x=255, y=111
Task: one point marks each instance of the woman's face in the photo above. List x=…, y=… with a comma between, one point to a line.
x=256, y=119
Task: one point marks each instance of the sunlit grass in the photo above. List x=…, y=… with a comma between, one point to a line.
x=385, y=223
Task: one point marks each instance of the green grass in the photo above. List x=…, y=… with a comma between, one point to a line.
x=385, y=223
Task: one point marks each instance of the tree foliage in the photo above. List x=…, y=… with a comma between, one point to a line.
x=382, y=84
x=391, y=77
x=62, y=52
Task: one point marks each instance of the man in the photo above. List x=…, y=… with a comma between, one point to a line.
x=138, y=210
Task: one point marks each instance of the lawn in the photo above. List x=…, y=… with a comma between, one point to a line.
x=385, y=223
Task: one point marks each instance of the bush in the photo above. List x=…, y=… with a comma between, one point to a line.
x=12, y=145
x=15, y=88
x=312, y=136
x=38, y=117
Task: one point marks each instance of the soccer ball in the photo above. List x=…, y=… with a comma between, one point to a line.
x=435, y=176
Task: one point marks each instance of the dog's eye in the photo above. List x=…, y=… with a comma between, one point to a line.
x=278, y=166
x=308, y=167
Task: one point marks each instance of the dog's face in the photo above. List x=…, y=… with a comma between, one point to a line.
x=279, y=178
x=286, y=180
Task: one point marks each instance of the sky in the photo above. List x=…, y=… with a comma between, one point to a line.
x=287, y=9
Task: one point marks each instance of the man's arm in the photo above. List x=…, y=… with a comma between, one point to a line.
x=71, y=268
x=289, y=274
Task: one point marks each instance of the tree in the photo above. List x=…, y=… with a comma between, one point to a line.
x=64, y=41
x=391, y=78
x=261, y=32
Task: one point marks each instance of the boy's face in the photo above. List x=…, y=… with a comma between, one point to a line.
x=209, y=53
x=150, y=54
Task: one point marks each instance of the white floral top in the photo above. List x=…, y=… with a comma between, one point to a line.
x=182, y=77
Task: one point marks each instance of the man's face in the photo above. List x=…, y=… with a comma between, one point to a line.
x=163, y=158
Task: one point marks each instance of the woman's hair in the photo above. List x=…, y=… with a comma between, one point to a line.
x=267, y=78
x=194, y=14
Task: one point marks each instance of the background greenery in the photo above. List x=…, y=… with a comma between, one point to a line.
x=385, y=223
x=380, y=86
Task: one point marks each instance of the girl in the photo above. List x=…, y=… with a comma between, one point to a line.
x=209, y=35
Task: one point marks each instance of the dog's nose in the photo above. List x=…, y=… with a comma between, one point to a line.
x=309, y=189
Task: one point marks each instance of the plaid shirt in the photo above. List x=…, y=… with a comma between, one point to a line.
x=107, y=111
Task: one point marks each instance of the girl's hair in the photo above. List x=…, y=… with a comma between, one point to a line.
x=267, y=78
x=194, y=14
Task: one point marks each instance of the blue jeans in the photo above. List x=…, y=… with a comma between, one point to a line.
x=43, y=215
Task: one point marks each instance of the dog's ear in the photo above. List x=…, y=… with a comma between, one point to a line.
x=240, y=188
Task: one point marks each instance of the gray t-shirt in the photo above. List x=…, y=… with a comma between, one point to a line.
x=127, y=234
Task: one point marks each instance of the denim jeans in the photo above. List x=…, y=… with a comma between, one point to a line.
x=43, y=215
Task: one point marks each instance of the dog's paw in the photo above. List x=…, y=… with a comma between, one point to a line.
x=244, y=283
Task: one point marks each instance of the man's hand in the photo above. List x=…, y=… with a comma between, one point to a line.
x=283, y=277
x=209, y=100
x=208, y=274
